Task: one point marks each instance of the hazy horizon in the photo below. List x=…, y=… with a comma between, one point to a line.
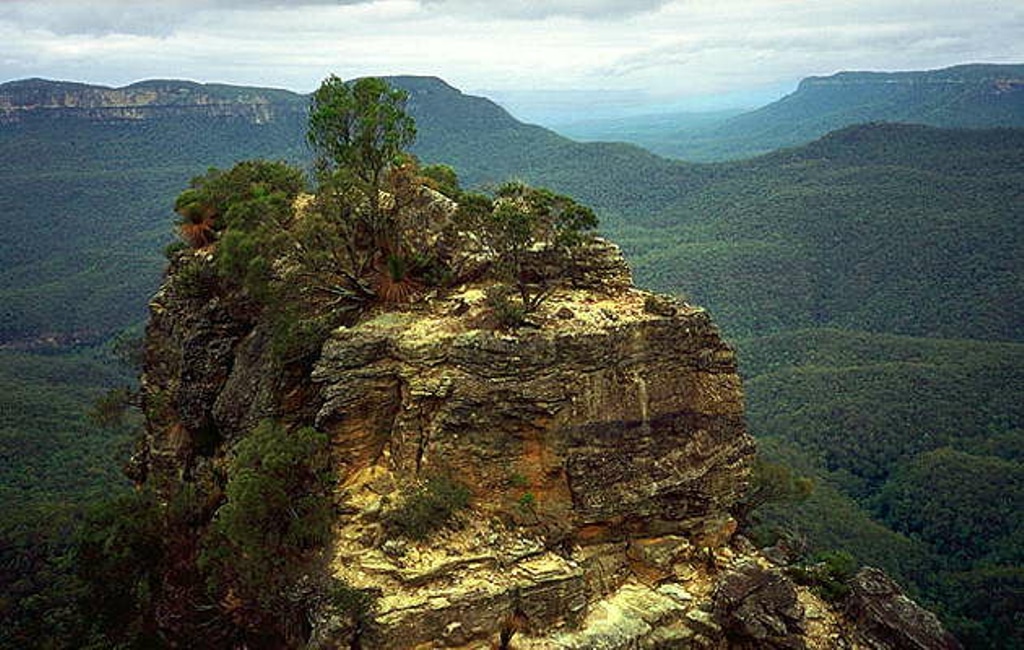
x=538, y=59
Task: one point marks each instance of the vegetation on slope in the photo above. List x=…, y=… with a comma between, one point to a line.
x=107, y=188
x=916, y=448
x=54, y=461
x=840, y=233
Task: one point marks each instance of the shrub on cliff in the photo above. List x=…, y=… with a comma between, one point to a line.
x=272, y=528
x=827, y=573
x=238, y=198
x=520, y=223
x=770, y=483
x=361, y=127
x=380, y=228
x=427, y=509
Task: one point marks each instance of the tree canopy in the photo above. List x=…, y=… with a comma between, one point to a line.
x=361, y=127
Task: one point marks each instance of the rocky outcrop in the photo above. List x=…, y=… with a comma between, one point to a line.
x=886, y=618
x=603, y=437
x=603, y=446
x=558, y=405
x=759, y=608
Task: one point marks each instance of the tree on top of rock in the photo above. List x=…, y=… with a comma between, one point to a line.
x=360, y=129
x=522, y=223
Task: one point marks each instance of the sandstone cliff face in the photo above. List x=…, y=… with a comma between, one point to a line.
x=621, y=425
x=145, y=100
x=603, y=448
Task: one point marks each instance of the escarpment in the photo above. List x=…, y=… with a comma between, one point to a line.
x=147, y=100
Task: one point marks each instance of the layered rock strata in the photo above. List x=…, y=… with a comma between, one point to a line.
x=144, y=100
x=603, y=446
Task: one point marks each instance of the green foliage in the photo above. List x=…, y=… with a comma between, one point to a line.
x=110, y=409
x=427, y=509
x=52, y=453
x=39, y=590
x=107, y=187
x=174, y=249
x=515, y=226
x=118, y=552
x=285, y=266
x=245, y=196
x=505, y=310
x=527, y=502
x=361, y=127
x=277, y=514
x=984, y=607
x=443, y=179
x=828, y=574
x=966, y=507
x=771, y=483
x=129, y=348
x=297, y=335
x=551, y=218
x=903, y=430
x=866, y=403
x=247, y=207
x=356, y=605
x=369, y=188
x=820, y=236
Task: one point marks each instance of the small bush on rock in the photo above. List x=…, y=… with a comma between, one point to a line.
x=506, y=312
x=428, y=509
x=828, y=574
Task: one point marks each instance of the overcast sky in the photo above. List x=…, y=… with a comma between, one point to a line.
x=662, y=51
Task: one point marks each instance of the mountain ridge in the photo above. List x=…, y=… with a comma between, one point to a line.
x=958, y=74
x=970, y=95
x=22, y=97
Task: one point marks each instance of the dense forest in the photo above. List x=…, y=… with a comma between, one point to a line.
x=870, y=280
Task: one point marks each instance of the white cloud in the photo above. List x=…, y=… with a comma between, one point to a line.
x=540, y=9
x=672, y=48
x=74, y=17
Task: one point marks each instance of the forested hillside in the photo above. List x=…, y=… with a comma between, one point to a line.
x=888, y=228
x=917, y=448
x=86, y=210
x=871, y=281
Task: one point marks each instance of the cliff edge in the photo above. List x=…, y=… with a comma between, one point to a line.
x=600, y=448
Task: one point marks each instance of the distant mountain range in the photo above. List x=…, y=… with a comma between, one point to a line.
x=971, y=96
x=102, y=166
